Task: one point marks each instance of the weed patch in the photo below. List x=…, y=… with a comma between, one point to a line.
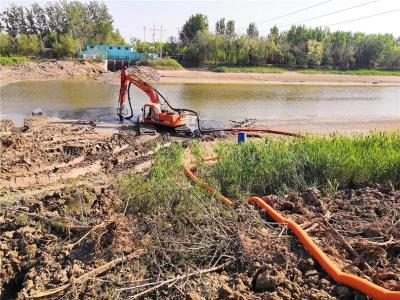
x=281, y=166
x=164, y=64
x=12, y=60
x=231, y=69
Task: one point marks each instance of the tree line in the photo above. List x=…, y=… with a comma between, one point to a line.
x=64, y=27
x=297, y=47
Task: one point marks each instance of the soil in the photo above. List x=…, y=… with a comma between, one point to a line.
x=51, y=69
x=54, y=69
x=205, y=76
x=61, y=216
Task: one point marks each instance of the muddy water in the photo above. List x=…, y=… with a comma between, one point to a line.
x=88, y=100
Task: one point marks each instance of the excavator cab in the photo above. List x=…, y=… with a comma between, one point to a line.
x=152, y=113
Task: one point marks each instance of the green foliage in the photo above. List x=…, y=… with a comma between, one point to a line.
x=12, y=60
x=66, y=47
x=315, y=52
x=299, y=46
x=28, y=45
x=161, y=189
x=164, y=64
x=196, y=23
x=353, y=72
x=59, y=23
x=226, y=69
x=252, y=31
x=5, y=44
x=279, y=166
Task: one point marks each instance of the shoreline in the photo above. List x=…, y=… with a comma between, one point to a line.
x=59, y=70
x=289, y=78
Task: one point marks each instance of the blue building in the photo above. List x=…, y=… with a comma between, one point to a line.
x=110, y=52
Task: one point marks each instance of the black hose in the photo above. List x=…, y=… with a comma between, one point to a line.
x=179, y=110
x=129, y=100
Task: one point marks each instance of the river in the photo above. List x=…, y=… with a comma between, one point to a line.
x=90, y=100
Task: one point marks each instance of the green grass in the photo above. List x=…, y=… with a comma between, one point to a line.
x=255, y=69
x=231, y=69
x=281, y=166
x=353, y=72
x=164, y=64
x=12, y=60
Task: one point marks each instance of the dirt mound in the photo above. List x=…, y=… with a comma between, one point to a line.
x=52, y=69
x=145, y=72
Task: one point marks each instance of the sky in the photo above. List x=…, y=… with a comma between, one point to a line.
x=130, y=17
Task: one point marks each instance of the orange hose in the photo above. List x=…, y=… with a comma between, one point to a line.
x=358, y=283
x=205, y=186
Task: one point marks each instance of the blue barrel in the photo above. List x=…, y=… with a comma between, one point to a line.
x=242, y=137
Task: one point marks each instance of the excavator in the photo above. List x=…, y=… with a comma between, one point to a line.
x=158, y=112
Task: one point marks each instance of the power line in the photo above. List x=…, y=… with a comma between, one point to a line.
x=289, y=14
x=331, y=13
x=365, y=17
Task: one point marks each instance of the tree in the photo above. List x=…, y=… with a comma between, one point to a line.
x=196, y=23
x=67, y=46
x=274, y=35
x=230, y=28
x=40, y=20
x=315, y=51
x=5, y=44
x=28, y=45
x=14, y=20
x=252, y=31
x=57, y=17
x=220, y=27
x=115, y=38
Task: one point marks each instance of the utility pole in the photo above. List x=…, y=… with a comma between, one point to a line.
x=161, y=30
x=144, y=33
x=154, y=29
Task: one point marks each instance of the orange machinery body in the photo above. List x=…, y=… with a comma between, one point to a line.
x=154, y=112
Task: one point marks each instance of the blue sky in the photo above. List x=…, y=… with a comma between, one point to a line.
x=131, y=16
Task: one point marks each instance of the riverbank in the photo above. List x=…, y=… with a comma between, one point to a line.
x=46, y=70
x=205, y=76
x=80, y=201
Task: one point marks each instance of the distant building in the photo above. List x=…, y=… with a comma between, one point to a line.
x=105, y=52
x=116, y=56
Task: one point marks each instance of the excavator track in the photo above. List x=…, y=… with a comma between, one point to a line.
x=185, y=131
x=145, y=128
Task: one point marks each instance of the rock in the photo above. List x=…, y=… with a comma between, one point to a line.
x=37, y=112
x=8, y=234
x=61, y=276
x=225, y=292
x=284, y=294
x=344, y=292
x=269, y=280
x=306, y=265
x=28, y=284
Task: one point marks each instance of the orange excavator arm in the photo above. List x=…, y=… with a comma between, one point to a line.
x=127, y=78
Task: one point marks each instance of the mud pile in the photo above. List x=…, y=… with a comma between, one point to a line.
x=52, y=69
x=145, y=72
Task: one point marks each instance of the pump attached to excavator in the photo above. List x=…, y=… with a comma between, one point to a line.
x=158, y=112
